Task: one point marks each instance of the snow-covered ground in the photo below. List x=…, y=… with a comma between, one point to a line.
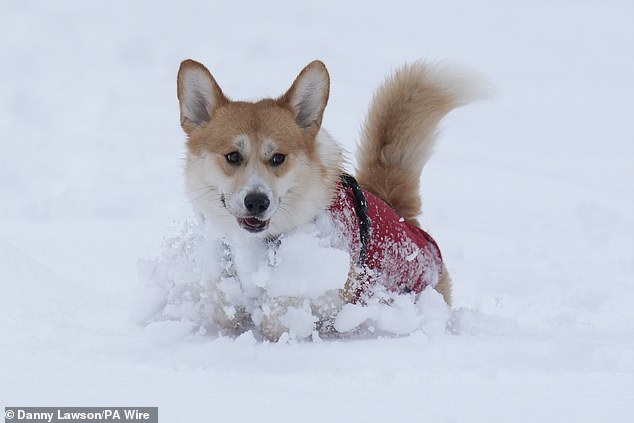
x=527, y=196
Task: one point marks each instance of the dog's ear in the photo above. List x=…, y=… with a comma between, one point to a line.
x=308, y=95
x=198, y=93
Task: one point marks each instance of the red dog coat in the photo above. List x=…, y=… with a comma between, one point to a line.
x=400, y=256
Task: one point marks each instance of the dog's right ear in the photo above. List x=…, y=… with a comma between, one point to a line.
x=198, y=93
x=308, y=95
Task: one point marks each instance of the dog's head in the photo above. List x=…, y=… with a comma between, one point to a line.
x=261, y=167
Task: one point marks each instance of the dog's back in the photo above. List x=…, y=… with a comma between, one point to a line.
x=399, y=134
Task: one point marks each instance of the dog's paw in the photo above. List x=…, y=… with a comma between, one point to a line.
x=233, y=318
x=289, y=315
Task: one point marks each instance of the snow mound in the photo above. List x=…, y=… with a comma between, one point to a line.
x=286, y=289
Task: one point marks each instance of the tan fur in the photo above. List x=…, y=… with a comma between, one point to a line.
x=444, y=286
x=260, y=121
x=400, y=132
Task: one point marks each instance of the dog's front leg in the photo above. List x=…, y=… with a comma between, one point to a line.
x=227, y=314
x=290, y=315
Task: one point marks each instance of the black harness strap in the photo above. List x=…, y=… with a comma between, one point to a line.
x=361, y=209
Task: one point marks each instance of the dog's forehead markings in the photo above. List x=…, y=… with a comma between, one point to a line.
x=268, y=147
x=242, y=142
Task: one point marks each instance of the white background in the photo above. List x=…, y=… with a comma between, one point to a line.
x=527, y=195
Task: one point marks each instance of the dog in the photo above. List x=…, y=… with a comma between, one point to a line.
x=267, y=168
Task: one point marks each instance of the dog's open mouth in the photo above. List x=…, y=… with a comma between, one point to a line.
x=253, y=224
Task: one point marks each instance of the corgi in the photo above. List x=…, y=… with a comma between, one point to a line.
x=265, y=168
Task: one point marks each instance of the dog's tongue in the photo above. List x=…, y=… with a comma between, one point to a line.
x=254, y=222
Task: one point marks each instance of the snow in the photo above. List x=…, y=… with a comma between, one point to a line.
x=211, y=280
x=527, y=196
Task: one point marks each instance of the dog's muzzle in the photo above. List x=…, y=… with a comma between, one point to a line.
x=256, y=204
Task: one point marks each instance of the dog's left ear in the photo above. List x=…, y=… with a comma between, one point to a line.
x=308, y=95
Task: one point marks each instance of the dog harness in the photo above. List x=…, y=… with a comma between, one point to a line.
x=385, y=248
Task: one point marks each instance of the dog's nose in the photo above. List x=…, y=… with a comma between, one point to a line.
x=256, y=203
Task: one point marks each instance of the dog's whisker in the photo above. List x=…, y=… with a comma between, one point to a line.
x=198, y=189
x=283, y=210
x=193, y=161
x=202, y=195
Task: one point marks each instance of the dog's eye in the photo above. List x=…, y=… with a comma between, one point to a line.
x=234, y=158
x=277, y=159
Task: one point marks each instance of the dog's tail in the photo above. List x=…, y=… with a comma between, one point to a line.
x=399, y=134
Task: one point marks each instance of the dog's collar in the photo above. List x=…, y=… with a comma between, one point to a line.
x=229, y=270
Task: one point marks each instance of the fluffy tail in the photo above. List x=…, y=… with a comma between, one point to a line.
x=400, y=130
